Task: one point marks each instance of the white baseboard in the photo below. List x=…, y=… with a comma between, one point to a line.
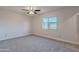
x=54, y=38
x=59, y=39
x=17, y=36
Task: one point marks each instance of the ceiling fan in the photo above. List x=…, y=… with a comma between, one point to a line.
x=31, y=10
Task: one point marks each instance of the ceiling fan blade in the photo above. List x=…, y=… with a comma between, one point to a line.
x=35, y=13
x=27, y=12
x=37, y=10
x=25, y=9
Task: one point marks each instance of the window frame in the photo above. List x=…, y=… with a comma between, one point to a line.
x=50, y=23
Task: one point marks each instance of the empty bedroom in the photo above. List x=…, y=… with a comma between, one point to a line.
x=39, y=28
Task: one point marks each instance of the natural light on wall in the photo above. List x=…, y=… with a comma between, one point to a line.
x=49, y=23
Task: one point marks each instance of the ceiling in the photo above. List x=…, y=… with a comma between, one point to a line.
x=18, y=9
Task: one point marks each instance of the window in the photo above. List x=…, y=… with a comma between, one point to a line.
x=49, y=23
x=45, y=23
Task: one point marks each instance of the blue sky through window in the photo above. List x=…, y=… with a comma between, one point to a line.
x=45, y=20
x=53, y=19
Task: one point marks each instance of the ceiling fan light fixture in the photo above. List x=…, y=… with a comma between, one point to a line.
x=31, y=10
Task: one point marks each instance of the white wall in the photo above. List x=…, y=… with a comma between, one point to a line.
x=67, y=25
x=13, y=25
x=77, y=17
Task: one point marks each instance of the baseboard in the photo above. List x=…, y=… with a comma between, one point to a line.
x=17, y=37
x=58, y=39
x=54, y=38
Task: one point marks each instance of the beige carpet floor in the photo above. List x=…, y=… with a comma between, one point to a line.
x=33, y=44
